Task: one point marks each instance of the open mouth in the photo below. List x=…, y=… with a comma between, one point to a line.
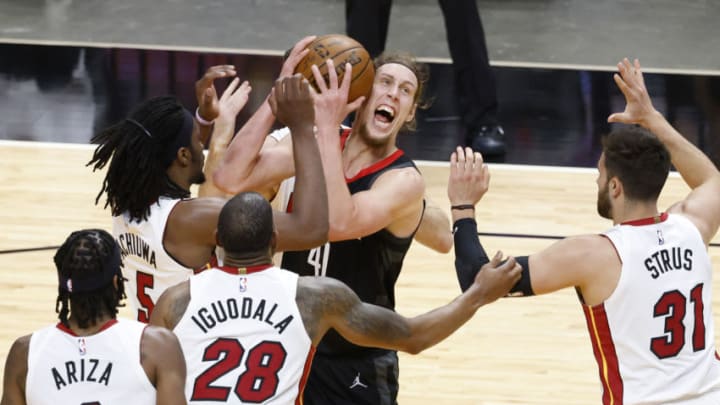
x=385, y=114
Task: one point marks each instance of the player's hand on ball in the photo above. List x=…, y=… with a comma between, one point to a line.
x=331, y=100
x=291, y=101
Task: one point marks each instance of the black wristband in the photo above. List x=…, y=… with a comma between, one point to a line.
x=462, y=207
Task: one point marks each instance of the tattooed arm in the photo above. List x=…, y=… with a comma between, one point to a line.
x=171, y=306
x=328, y=303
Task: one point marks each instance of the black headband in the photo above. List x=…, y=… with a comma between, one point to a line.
x=181, y=139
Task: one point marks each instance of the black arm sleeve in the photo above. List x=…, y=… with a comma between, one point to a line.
x=523, y=288
x=470, y=256
x=469, y=253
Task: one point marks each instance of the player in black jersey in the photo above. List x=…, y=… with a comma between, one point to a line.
x=376, y=203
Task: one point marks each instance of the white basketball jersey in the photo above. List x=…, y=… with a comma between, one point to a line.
x=100, y=369
x=654, y=337
x=243, y=338
x=149, y=269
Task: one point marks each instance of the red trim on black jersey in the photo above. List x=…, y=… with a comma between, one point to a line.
x=69, y=331
x=244, y=270
x=305, y=375
x=375, y=167
x=605, y=354
x=648, y=221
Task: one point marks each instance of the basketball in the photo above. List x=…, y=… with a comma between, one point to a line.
x=341, y=49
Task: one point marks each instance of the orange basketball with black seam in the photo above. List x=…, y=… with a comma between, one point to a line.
x=341, y=49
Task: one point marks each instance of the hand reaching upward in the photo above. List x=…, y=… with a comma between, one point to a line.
x=469, y=177
x=630, y=81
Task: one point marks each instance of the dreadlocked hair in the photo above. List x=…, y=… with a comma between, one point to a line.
x=136, y=175
x=82, y=256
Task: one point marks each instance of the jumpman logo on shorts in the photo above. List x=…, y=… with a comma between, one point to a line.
x=356, y=382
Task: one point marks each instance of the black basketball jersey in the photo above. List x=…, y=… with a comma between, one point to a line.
x=370, y=265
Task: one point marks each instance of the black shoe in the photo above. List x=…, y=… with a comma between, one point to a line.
x=488, y=140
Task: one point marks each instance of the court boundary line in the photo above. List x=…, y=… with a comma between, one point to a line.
x=480, y=234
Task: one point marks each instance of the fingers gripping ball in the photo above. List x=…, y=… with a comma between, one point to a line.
x=341, y=49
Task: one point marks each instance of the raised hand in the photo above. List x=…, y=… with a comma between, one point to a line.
x=229, y=105
x=331, y=103
x=494, y=280
x=469, y=177
x=207, y=98
x=292, y=102
x=295, y=55
x=233, y=100
x=630, y=81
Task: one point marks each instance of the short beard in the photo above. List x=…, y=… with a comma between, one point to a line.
x=362, y=133
x=198, y=178
x=604, y=208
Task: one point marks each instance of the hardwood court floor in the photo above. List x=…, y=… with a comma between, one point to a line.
x=515, y=351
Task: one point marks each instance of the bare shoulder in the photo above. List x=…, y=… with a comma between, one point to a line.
x=16, y=372
x=161, y=355
x=705, y=220
x=20, y=348
x=159, y=346
x=319, y=299
x=575, y=255
x=325, y=294
x=583, y=245
x=199, y=206
x=155, y=337
x=16, y=363
x=588, y=253
x=402, y=190
x=406, y=179
x=171, y=306
x=191, y=225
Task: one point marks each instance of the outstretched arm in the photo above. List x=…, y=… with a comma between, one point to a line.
x=702, y=205
x=228, y=106
x=307, y=225
x=207, y=99
x=247, y=165
x=16, y=373
x=469, y=181
x=434, y=230
x=370, y=325
x=571, y=262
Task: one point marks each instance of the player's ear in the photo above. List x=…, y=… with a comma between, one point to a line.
x=184, y=156
x=614, y=186
x=411, y=116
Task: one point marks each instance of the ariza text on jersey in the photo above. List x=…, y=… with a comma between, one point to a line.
x=667, y=260
x=222, y=311
x=83, y=370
